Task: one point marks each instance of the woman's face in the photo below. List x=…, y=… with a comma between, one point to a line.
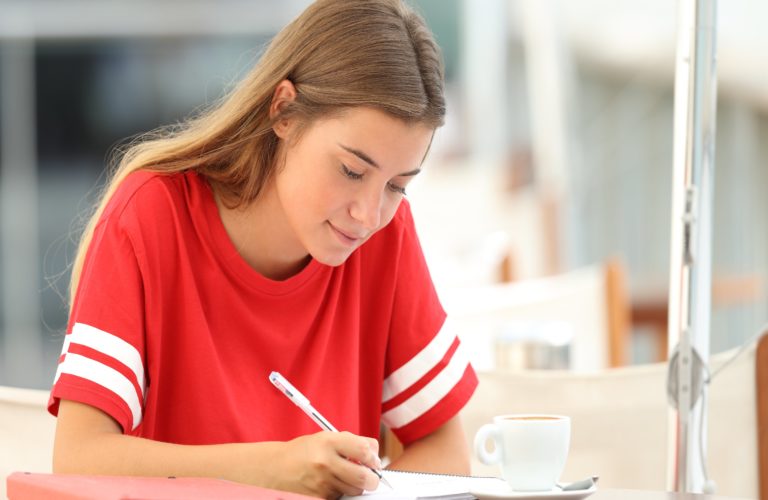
x=345, y=177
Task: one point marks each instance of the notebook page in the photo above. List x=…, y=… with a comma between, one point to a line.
x=412, y=485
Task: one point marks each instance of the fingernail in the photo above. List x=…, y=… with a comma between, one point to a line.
x=378, y=463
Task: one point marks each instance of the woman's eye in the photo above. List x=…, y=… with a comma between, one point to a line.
x=351, y=173
x=395, y=188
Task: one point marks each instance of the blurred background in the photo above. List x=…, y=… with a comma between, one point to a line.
x=555, y=160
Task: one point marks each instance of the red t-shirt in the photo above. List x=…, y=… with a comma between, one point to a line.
x=173, y=335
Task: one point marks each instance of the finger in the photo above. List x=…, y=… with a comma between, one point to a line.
x=334, y=468
x=327, y=482
x=354, y=474
x=346, y=489
x=374, y=444
x=358, y=449
x=332, y=488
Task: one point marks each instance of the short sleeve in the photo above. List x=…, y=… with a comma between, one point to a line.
x=102, y=360
x=428, y=376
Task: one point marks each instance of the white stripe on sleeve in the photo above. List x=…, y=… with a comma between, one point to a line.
x=109, y=378
x=418, y=366
x=64, y=350
x=108, y=344
x=430, y=394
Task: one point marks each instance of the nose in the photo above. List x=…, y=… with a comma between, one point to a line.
x=366, y=208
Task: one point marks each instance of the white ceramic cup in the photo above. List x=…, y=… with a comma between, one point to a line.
x=531, y=449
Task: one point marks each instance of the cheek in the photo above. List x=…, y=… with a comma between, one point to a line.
x=306, y=183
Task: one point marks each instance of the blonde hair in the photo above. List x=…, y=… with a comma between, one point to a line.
x=338, y=54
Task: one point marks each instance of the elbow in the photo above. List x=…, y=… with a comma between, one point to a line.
x=59, y=466
x=82, y=440
x=65, y=463
x=461, y=463
x=75, y=455
x=465, y=467
x=81, y=456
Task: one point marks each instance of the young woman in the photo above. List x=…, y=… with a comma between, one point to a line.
x=271, y=234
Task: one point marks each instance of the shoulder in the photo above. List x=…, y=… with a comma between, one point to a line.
x=139, y=186
x=154, y=209
x=154, y=196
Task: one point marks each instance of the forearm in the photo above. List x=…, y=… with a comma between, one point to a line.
x=444, y=451
x=117, y=454
x=88, y=441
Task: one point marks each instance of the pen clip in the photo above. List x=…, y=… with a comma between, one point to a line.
x=289, y=390
x=300, y=400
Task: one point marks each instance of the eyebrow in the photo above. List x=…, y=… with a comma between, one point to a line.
x=367, y=159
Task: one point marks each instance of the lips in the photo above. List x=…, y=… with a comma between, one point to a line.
x=348, y=237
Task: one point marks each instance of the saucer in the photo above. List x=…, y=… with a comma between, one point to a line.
x=503, y=491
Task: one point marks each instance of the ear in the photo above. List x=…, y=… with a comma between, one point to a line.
x=285, y=93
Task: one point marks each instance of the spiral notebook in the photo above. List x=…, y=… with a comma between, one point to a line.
x=424, y=485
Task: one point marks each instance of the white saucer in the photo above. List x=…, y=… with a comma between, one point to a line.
x=504, y=492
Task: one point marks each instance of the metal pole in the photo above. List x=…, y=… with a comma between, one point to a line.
x=484, y=37
x=691, y=242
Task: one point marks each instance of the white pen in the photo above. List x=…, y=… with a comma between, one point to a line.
x=302, y=402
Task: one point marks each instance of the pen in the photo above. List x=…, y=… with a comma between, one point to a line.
x=303, y=403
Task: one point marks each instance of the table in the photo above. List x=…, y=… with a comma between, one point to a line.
x=612, y=494
x=37, y=486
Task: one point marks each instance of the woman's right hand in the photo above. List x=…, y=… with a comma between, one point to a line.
x=327, y=464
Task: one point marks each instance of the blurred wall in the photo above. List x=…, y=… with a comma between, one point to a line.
x=548, y=100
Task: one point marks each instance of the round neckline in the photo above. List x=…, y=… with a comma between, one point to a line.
x=235, y=263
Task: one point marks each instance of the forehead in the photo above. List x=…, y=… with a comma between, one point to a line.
x=389, y=141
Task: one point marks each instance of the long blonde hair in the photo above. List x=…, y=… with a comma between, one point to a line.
x=338, y=54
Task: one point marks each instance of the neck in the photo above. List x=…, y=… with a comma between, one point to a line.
x=262, y=236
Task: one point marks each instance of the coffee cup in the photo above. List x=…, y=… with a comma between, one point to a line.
x=531, y=449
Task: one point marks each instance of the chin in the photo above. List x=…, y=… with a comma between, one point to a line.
x=332, y=259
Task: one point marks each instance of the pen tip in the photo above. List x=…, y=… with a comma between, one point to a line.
x=384, y=480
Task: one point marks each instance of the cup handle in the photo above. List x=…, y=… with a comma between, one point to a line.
x=488, y=431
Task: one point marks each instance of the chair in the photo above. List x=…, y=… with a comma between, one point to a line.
x=649, y=308
x=761, y=389
x=620, y=420
x=591, y=300
x=738, y=424
x=26, y=432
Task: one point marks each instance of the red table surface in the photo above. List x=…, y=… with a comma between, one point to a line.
x=35, y=486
